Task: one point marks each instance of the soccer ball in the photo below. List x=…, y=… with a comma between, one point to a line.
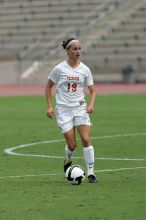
x=75, y=174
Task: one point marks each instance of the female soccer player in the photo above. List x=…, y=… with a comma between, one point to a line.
x=71, y=110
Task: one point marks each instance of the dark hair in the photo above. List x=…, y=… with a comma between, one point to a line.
x=66, y=42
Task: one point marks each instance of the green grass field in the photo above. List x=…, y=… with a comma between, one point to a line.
x=32, y=185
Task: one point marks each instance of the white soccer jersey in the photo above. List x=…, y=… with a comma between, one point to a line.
x=70, y=83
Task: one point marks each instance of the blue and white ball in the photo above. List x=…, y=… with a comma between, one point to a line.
x=75, y=174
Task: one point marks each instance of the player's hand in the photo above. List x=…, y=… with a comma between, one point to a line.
x=50, y=112
x=90, y=109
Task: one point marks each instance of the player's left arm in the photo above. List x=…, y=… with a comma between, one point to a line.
x=92, y=90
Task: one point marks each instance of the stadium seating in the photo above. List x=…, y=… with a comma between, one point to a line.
x=113, y=34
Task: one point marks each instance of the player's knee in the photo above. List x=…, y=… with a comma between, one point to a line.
x=86, y=142
x=72, y=146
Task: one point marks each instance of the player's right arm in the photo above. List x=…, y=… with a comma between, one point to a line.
x=48, y=93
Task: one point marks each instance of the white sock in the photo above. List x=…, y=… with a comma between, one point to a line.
x=68, y=154
x=89, y=159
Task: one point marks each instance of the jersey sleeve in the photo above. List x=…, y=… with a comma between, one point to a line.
x=89, y=78
x=54, y=75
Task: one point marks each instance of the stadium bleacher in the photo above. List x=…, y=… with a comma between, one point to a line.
x=113, y=34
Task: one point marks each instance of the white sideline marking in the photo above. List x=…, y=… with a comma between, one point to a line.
x=119, y=169
x=12, y=149
x=31, y=175
x=57, y=174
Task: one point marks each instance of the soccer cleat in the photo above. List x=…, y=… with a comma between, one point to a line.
x=92, y=178
x=67, y=164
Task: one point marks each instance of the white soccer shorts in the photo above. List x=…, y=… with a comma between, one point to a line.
x=68, y=117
